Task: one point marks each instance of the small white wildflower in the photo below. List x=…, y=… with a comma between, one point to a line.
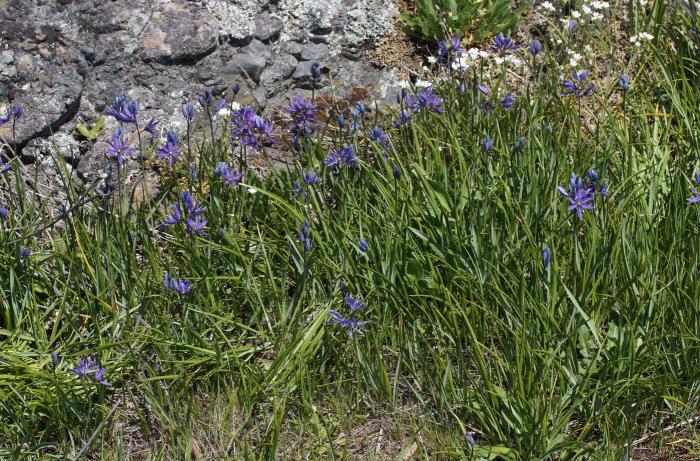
x=499, y=60
x=461, y=63
x=559, y=41
x=423, y=83
x=513, y=61
x=548, y=7
x=223, y=112
x=473, y=53
x=483, y=54
x=252, y=191
x=403, y=84
x=597, y=17
x=426, y=69
x=646, y=36
x=598, y=5
x=432, y=59
x=235, y=106
x=586, y=10
x=575, y=14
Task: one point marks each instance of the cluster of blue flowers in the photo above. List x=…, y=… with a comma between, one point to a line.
x=89, y=368
x=189, y=211
x=581, y=194
x=179, y=286
x=349, y=323
x=249, y=129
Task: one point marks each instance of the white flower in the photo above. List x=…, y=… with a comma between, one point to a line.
x=597, y=17
x=403, y=84
x=598, y=5
x=423, y=83
x=547, y=6
x=461, y=63
x=473, y=53
x=223, y=112
x=586, y=10
x=646, y=36
x=483, y=54
x=252, y=191
x=499, y=60
x=513, y=61
x=575, y=14
x=235, y=106
x=432, y=59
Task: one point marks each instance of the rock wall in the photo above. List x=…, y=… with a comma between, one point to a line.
x=64, y=61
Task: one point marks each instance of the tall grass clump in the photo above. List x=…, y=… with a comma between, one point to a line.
x=500, y=265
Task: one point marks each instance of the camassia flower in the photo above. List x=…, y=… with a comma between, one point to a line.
x=230, y=177
x=179, y=286
x=14, y=112
x=351, y=324
x=695, y=198
x=303, y=112
x=169, y=149
x=344, y=157
x=580, y=196
x=577, y=86
x=117, y=147
x=124, y=110
x=189, y=211
x=89, y=368
x=249, y=129
x=503, y=44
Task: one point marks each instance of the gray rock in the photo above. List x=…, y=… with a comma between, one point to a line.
x=248, y=65
x=315, y=52
x=302, y=73
x=267, y=27
x=258, y=48
x=178, y=31
x=282, y=67
x=236, y=21
x=293, y=48
x=58, y=146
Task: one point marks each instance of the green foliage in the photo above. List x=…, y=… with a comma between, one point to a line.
x=479, y=19
x=91, y=133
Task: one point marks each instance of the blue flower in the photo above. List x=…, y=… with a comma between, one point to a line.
x=310, y=177
x=579, y=195
x=188, y=111
x=396, y=171
x=353, y=304
x=503, y=44
x=507, y=101
x=179, y=286
x=99, y=377
x=519, y=143
x=470, y=439
x=4, y=168
x=487, y=144
x=196, y=225
x=343, y=157
x=118, y=148
x=124, y=110
x=576, y=87
x=206, y=99
x=191, y=211
x=24, y=252
x=625, y=83
x=546, y=255
x=378, y=135
x=88, y=368
x=427, y=99
x=341, y=121
x=352, y=325
x=315, y=71
x=4, y=212
x=14, y=112
x=249, y=129
x=169, y=149
x=447, y=51
x=363, y=245
x=305, y=235
x=151, y=125
x=535, y=48
x=695, y=198
x=231, y=177
x=303, y=112
x=572, y=25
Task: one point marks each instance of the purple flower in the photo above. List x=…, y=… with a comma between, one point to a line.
x=546, y=256
x=303, y=113
x=343, y=157
x=470, y=439
x=341, y=121
x=123, y=110
x=576, y=86
x=315, y=71
x=220, y=105
x=352, y=325
x=503, y=44
x=151, y=126
x=117, y=147
x=24, y=252
x=487, y=144
x=396, y=172
x=427, y=99
x=378, y=135
x=696, y=194
x=86, y=367
x=188, y=111
x=404, y=118
x=196, y=225
x=206, y=100
x=448, y=51
x=519, y=143
x=483, y=90
x=363, y=245
x=99, y=377
x=507, y=101
x=4, y=212
x=169, y=149
x=310, y=177
x=354, y=304
x=572, y=25
x=624, y=83
x=4, y=168
x=175, y=215
x=535, y=48
x=579, y=195
x=14, y=112
x=179, y=286
x=249, y=129
x=235, y=89
x=305, y=235
x=230, y=177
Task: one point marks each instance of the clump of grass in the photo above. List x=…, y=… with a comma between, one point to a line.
x=432, y=264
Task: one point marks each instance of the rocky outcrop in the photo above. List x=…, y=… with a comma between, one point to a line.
x=64, y=61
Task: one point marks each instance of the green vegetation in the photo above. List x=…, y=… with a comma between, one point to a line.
x=493, y=311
